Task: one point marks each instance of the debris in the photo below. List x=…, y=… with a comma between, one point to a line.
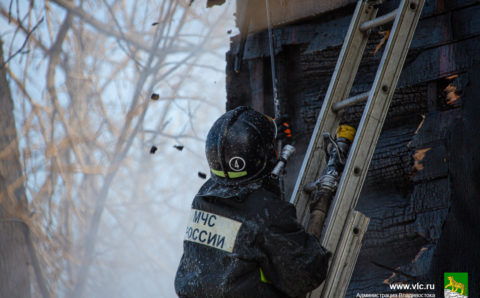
x=178, y=147
x=393, y=271
x=154, y=96
x=419, y=254
x=229, y=31
x=452, y=77
x=211, y=3
x=418, y=156
x=153, y=149
x=202, y=175
x=420, y=125
x=417, y=130
x=385, y=34
x=452, y=94
x=154, y=23
x=416, y=268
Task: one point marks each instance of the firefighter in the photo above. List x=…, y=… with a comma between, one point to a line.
x=241, y=239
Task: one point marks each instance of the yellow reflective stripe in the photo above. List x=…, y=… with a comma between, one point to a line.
x=263, y=278
x=230, y=174
x=346, y=131
x=237, y=174
x=218, y=173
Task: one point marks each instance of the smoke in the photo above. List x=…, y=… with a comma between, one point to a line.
x=141, y=238
x=96, y=86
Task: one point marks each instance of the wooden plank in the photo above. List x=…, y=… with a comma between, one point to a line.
x=257, y=45
x=434, y=164
x=431, y=32
x=288, y=11
x=441, y=61
x=236, y=83
x=435, y=128
x=433, y=7
x=436, y=7
x=256, y=84
x=330, y=34
x=466, y=22
x=299, y=9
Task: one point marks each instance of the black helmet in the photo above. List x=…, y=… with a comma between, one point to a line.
x=240, y=146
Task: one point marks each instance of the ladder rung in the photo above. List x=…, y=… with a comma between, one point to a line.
x=350, y=101
x=386, y=18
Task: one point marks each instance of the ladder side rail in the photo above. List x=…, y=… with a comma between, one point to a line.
x=371, y=124
x=339, y=88
x=344, y=262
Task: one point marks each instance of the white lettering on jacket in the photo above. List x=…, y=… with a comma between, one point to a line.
x=212, y=230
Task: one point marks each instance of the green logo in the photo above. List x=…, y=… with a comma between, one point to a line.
x=456, y=283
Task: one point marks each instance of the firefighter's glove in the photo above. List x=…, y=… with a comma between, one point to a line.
x=284, y=131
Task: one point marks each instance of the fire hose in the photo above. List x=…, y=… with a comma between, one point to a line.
x=324, y=189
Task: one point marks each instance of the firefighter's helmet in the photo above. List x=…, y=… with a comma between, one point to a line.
x=240, y=146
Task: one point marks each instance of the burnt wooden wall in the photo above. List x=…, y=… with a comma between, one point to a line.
x=422, y=191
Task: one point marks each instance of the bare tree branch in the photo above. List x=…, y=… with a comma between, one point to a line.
x=83, y=118
x=23, y=45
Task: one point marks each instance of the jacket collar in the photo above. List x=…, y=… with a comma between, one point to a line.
x=211, y=188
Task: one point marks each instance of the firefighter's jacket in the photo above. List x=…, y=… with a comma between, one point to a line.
x=246, y=242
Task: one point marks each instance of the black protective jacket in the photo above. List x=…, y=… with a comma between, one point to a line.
x=246, y=242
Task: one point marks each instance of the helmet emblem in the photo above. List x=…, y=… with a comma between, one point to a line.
x=237, y=163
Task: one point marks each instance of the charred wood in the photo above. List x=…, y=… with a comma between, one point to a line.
x=238, y=91
x=422, y=187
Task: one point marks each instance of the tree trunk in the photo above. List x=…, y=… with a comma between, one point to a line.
x=14, y=258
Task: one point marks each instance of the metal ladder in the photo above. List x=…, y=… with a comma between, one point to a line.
x=344, y=227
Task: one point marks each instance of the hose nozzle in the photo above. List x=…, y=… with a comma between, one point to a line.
x=287, y=152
